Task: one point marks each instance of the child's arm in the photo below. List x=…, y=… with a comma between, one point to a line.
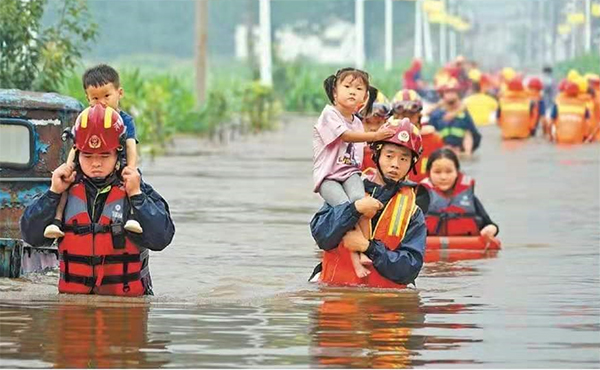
x=489, y=228
x=350, y=136
x=71, y=158
x=131, y=148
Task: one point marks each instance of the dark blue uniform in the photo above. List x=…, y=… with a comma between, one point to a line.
x=403, y=262
x=453, y=132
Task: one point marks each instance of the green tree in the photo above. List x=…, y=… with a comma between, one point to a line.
x=34, y=57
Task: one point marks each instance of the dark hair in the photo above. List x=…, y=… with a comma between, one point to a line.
x=330, y=82
x=100, y=75
x=443, y=153
x=476, y=86
x=368, y=108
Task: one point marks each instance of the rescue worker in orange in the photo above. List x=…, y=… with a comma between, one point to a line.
x=97, y=255
x=594, y=82
x=535, y=90
x=396, y=241
x=516, y=111
x=408, y=104
x=449, y=197
x=569, y=116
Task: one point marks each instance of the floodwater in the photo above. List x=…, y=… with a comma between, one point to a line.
x=231, y=290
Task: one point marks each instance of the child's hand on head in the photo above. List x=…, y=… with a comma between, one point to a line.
x=384, y=133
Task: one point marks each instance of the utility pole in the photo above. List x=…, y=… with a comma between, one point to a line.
x=588, y=26
x=359, y=29
x=266, y=77
x=443, y=37
x=389, y=24
x=418, y=31
x=200, y=52
x=427, y=33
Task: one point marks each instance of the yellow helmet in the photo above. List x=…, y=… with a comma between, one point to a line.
x=582, y=84
x=475, y=75
x=381, y=98
x=508, y=73
x=573, y=75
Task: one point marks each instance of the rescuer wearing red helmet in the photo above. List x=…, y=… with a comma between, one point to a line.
x=452, y=120
x=396, y=242
x=97, y=255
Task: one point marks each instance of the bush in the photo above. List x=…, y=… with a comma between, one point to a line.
x=33, y=57
x=259, y=107
x=163, y=105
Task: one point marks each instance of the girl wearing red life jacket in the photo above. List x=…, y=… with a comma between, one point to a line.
x=448, y=195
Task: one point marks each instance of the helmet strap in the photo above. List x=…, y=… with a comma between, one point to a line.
x=376, y=155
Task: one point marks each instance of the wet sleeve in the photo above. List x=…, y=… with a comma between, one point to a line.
x=330, y=224
x=403, y=264
x=330, y=127
x=152, y=212
x=554, y=112
x=542, y=108
x=37, y=216
x=483, y=215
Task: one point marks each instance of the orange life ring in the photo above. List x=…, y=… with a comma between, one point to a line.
x=462, y=242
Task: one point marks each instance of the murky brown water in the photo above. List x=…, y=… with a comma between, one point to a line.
x=232, y=291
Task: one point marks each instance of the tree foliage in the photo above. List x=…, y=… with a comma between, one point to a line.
x=38, y=57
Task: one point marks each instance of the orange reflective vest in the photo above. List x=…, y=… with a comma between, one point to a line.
x=454, y=215
x=595, y=132
x=570, y=123
x=390, y=229
x=516, y=118
x=97, y=257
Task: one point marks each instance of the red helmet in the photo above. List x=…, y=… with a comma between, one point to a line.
x=98, y=129
x=449, y=85
x=515, y=84
x=571, y=88
x=535, y=83
x=405, y=134
x=562, y=84
x=407, y=101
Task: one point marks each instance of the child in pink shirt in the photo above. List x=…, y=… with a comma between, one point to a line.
x=338, y=143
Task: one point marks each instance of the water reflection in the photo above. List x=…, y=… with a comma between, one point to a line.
x=69, y=334
x=380, y=329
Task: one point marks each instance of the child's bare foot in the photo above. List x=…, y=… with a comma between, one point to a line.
x=361, y=271
x=133, y=226
x=364, y=260
x=53, y=230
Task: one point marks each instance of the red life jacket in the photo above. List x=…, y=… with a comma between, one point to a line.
x=515, y=118
x=390, y=229
x=97, y=257
x=454, y=215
